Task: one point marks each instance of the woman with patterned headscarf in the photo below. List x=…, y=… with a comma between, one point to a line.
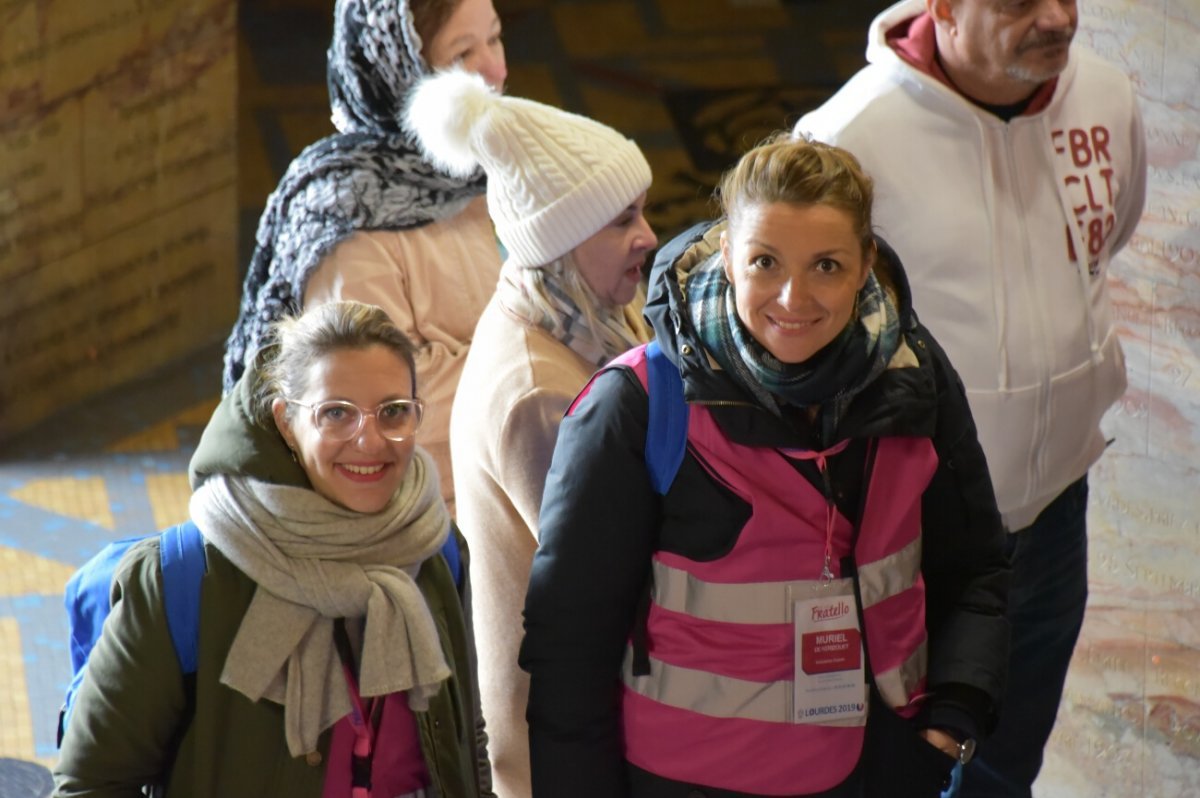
x=362, y=215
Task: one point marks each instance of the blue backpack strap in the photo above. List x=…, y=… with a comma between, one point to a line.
x=181, y=549
x=666, y=432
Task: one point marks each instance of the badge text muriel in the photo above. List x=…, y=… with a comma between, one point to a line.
x=827, y=612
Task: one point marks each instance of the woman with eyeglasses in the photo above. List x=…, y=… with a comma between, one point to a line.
x=334, y=656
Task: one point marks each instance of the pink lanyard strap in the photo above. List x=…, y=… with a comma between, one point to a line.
x=364, y=720
x=830, y=508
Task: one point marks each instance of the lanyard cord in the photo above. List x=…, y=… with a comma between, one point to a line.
x=364, y=721
x=821, y=457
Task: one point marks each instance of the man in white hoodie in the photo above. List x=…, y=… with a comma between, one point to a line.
x=1009, y=168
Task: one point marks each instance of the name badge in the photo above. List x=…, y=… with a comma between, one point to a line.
x=830, y=677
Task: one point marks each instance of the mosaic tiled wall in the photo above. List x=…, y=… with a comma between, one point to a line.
x=1130, y=725
x=117, y=192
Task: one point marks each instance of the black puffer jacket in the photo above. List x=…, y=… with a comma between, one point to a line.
x=601, y=522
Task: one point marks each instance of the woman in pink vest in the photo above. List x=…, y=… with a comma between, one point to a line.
x=812, y=601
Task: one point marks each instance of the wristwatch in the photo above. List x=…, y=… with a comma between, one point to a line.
x=966, y=750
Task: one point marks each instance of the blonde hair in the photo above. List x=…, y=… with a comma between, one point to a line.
x=299, y=340
x=799, y=172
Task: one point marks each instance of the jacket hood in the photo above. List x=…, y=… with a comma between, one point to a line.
x=892, y=17
x=667, y=314
x=902, y=36
x=235, y=443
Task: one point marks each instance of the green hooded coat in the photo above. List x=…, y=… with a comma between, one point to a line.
x=137, y=718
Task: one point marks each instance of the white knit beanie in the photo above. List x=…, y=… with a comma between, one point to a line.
x=555, y=179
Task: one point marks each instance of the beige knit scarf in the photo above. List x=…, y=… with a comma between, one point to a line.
x=314, y=561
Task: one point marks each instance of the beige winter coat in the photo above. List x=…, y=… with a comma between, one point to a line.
x=515, y=388
x=434, y=282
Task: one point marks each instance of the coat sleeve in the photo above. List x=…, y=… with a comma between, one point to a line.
x=126, y=716
x=598, y=520
x=1132, y=201
x=965, y=569
x=525, y=446
x=482, y=763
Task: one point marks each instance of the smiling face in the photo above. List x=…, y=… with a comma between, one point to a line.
x=470, y=38
x=796, y=271
x=364, y=472
x=1001, y=51
x=611, y=261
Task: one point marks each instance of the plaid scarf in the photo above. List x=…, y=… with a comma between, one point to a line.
x=368, y=176
x=595, y=346
x=831, y=378
x=617, y=330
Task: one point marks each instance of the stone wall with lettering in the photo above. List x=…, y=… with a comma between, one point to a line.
x=117, y=193
x=1130, y=722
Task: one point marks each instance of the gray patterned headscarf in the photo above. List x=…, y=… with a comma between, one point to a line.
x=368, y=176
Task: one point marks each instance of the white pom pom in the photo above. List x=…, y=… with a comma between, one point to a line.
x=443, y=110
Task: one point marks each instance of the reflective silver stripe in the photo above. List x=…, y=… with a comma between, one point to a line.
x=717, y=696
x=900, y=683
x=891, y=575
x=771, y=602
x=755, y=603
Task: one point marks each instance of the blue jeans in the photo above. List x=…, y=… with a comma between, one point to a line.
x=1045, y=607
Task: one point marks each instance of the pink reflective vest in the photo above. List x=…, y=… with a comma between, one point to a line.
x=715, y=708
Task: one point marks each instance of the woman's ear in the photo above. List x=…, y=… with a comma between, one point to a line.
x=942, y=11
x=727, y=254
x=282, y=423
x=870, y=258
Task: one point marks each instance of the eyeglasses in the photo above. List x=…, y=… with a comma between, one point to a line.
x=336, y=420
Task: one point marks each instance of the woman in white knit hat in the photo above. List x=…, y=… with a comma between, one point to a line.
x=566, y=194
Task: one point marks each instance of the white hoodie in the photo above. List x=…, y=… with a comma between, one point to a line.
x=983, y=214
